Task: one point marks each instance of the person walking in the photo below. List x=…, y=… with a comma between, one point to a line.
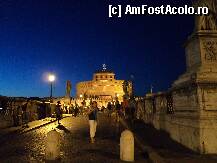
x=109, y=108
x=76, y=110
x=92, y=115
x=58, y=112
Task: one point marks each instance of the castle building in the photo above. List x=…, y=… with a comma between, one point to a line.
x=103, y=86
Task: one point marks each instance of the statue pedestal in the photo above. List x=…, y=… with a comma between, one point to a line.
x=195, y=95
x=201, y=58
x=67, y=99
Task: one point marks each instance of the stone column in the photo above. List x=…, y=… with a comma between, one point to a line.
x=127, y=146
x=52, y=149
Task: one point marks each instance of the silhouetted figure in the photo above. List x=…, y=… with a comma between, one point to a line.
x=25, y=118
x=126, y=108
x=41, y=110
x=109, y=108
x=117, y=106
x=58, y=112
x=15, y=115
x=76, y=110
x=132, y=109
x=48, y=110
x=103, y=108
x=20, y=115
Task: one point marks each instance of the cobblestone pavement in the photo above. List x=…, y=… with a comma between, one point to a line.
x=75, y=146
x=31, y=125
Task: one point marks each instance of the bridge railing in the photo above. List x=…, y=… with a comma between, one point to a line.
x=155, y=109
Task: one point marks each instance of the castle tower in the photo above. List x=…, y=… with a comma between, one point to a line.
x=103, y=85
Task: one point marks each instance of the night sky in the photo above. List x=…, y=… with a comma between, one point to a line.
x=73, y=38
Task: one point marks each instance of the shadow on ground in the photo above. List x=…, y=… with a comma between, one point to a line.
x=61, y=127
x=102, y=153
x=158, y=139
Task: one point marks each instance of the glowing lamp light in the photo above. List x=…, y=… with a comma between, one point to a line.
x=51, y=78
x=81, y=96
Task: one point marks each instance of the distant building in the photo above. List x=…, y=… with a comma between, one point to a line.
x=103, y=86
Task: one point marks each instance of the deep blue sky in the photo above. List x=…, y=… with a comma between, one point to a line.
x=73, y=38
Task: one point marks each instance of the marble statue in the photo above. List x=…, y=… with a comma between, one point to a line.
x=206, y=22
x=68, y=88
x=125, y=85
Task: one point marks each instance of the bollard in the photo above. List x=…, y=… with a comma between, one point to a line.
x=52, y=150
x=127, y=146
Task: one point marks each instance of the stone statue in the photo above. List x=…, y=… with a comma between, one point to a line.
x=68, y=88
x=104, y=67
x=125, y=85
x=206, y=22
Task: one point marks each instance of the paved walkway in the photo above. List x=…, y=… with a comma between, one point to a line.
x=75, y=146
x=31, y=126
x=28, y=144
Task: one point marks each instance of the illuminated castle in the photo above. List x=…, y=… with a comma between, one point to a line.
x=104, y=86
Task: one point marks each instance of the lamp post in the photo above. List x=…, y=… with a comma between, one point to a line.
x=51, y=79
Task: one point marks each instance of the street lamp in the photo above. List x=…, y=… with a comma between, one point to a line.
x=51, y=79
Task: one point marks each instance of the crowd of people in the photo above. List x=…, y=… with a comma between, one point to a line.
x=22, y=112
x=114, y=110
